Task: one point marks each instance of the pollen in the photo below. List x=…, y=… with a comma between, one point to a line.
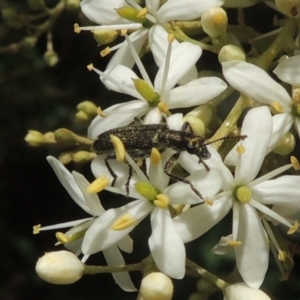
x=100, y=112
x=61, y=237
x=162, y=106
x=90, y=67
x=36, y=229
x=240, y=149
x=119, y=147
x=98, y=185
x=142, y=13
x=105, y=52
x=295, y=163
x=162, y=201
x=209, y=202
x=294, y=228
x=155, y=157
x=277, y=106
x=171, y=37
x=234, y=244
x=77, y=28
x=243, y=194
x=123, y=222
x=282, y=256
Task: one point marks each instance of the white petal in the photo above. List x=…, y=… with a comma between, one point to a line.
x=165, y=244
x=297, y=126
x=118, y=115
x=175, y=121
x=153, y=116
x=113, y=257
x=187, y=10
x=92, y=200
x=288, y=70
x=283, y=191
x=257, y=126
x=103, y=12
x=252, y=256
x=207, y=183
x=123, y=55
x=152, y=6
x=67, y=180
x=255, y=82
x=183, y=57
x=126, y=244
x=196, y=92
x=281, y=125
x=199, y=219
x=100, y=235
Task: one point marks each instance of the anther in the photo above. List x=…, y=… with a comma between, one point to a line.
x=98, y=185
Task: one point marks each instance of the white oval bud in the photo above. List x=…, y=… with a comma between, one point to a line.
x=156, y=286
x=231, y=52
x=214, y=22
x=241, y=291
x=59, y=267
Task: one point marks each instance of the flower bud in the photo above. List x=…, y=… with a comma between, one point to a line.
x=88, y=107
x=59, y=267
x=29, y=42
x=203, y=112
x=290, y=8
x=146, y=91
x=214, y=22
x=104, y=37
x=231, y=52
x=239, y=3
x=65, y=158
x=286, y=144
x=241, y=291
x=34, y=138
x=51, y=58
x=156, y=286
x=131, y=14
x=73, y=5
x=83, y=157
x=196, y=124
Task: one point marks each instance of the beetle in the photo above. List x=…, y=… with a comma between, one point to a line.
x=139, y=139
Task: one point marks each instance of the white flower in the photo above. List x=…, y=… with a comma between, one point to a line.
x=247, y=196
x=76, y=185
x=175, y=66
x=59, y=267
x=166, y=245
x=257, y=84
x=103, y=12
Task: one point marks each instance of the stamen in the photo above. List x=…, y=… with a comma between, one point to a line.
x=162, y=106
x=294, y=228
x=90, y=67
x=155, y=157
x=98, y=185
x=36, y=229
x=61, y=237
x=77, y=28
x=142, y=13
x=282, y=256
x=209, y=202
x=277, y=106
x=119, y=147
x=162, y=201
x=105, y=52
x=240, y=149
x=234, y=244
x=295, y=163
x=100, y=112
x=124, y=32
x=123, y=222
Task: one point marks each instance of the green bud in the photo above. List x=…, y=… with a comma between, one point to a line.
x=83, y=157
x=73, y=5
x=146, y=190
x=36, y=4
x=203, y=112
x=29, y=42
x=88, y=107
x=286, y=144
x=196, y=124
x=11, y=16
x=146, y=91
x=214, y=22
x=65, y=158
x=51, y=58
x=131, y=14
x=104, y=37
x=231, y=52
x=34, y=138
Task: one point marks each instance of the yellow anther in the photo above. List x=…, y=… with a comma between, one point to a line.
x=234, y=244
x=155, y=157
x=277, y=106
x=162, y=201
x=123, y=32
x=282, y=256
x=209, y=202
x=34, y=138
x=105, y=52
x=171, y=38
x=240, y=149
x=36, y=229
x=61, y=237
x=98, y=185
x=119, y=147
x=295, y=163
x=162, y=106
x=123, y=222
x=294, y=228
x=100, y=112
x=142, y=13
x=77, y=28
x=178, y=208
x=90, y=67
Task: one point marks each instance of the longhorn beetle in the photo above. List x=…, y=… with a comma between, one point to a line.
x=139, y=139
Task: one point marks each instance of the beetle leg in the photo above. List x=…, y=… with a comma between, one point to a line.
x=168, y=166
x=112, y=173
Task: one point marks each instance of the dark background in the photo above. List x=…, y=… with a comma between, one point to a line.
x=35, y=96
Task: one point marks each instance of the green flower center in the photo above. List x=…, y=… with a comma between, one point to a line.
x=242, y=194
x=296, y=109
x=147, y=190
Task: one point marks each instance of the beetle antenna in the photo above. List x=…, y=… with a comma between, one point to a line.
x=237, y=137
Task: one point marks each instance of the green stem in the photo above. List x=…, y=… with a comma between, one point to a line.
x=91, y=270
